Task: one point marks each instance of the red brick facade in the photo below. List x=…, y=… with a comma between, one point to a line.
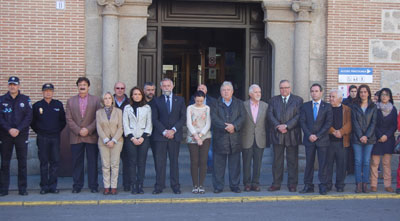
x=350, y=26
x=41, y=44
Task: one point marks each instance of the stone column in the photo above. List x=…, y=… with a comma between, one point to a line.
x=302, y=48
x=132, y=28
x=279, y=31
x=110, y=42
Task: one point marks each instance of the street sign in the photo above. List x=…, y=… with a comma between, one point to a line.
x=355, y=75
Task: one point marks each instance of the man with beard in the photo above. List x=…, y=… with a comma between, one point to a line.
x=169, y=116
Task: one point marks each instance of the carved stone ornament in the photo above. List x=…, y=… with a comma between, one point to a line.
x=110, y=6
x=303, y=9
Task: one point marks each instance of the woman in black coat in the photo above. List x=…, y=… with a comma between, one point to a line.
x=385, y=128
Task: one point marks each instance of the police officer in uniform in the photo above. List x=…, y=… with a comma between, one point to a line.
x=48, y=122
x=15, y=118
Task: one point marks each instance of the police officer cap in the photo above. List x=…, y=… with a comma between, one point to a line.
x=13, y=80
x=47, y=86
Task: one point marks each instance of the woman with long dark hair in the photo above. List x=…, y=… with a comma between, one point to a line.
x=137, y=129
x=386, y=126
x=363, y=117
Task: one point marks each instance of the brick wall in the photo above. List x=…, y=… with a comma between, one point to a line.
x=41, y=44
x=350, y=27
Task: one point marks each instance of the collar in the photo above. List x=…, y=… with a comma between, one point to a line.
x=319, y=102
x=227, y=103
x=287, y=97
x=254, y=104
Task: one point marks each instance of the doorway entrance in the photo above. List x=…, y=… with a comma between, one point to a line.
x=208, y=42
x=193, y=56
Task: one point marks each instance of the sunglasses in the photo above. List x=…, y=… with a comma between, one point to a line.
x=120, y=88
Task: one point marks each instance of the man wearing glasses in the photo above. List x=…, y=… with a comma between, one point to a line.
x=283, y=115
x=121, y=100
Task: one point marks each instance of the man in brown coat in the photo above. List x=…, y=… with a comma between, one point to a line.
x=339, y=135
x=81, y=119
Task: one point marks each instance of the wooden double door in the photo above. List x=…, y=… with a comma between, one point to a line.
x=206, y=42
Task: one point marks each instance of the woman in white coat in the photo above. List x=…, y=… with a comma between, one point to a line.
x=137, y=129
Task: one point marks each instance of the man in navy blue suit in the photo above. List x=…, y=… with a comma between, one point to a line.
x=315, y=120
x=169, y=116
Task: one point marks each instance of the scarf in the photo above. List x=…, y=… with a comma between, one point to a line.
x=108, y=112
x=385, y=108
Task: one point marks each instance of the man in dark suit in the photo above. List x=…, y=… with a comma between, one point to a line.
x=81, y=120
x=227, y=118
x=209, y=101
x=283, y=115
x=169, y=116
x=315, y=120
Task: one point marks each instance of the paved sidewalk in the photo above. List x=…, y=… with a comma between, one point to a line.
x=65, y=197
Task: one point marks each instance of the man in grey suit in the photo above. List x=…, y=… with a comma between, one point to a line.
x=283, y=116
x=316, y=119
x=227, y=118
x=254, y=138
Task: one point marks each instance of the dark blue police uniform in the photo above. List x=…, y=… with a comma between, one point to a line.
x=14, y=113
x=48, y=122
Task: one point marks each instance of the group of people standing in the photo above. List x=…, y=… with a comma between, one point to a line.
x=126, y=127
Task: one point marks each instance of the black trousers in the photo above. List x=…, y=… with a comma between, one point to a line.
x=137, y=156
x=21, y=147
x=78, y=164
x=219, y=170
x=255, y=155
x=322, y=152
x=292, y=162
x=336, y=153
x=126, y=180
x=350, y=160
x=162, y=148
x=49, y=156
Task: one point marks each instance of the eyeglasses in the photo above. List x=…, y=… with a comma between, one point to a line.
x=384, y=95
x=284, y=87
x=120, y=88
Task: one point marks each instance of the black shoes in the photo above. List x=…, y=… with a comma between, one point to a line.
x=54, y=191
x=236, y=190
x=398, y=190
x=157, y=191
x=76, y=190
x=23, y=192
x=217, y=191
x=43, y=191
x=139, y=189
x=94, y=190
x=340, y=189
x=177, y=191
x=307, y=189
x=3, y=193
x=127, y=188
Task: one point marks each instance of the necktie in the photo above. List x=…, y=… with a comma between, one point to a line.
x=284, y=103
x=315, y=110
x=168, y=105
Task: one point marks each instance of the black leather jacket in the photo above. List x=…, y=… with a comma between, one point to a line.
x=363, y=124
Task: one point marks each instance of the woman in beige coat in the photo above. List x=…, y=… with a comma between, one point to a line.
x=109, y=128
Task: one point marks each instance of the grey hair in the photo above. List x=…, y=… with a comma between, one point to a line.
x=166, y=79
x=340, y=95
x=251, y=88
x=283, y=81
x=226, y=83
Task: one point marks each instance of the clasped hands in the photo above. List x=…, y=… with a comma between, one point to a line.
x=13, y=132
x=169, y=134
x=197, y=137
x=137, y=141
x=282, y=128
x=230, y=128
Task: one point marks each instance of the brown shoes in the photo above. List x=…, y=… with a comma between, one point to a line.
x=374, y=189
x=247, y=188
x=359, y=188
x=255, y=188
x=273, y=188
x=292, y=189
x=389, y=189
x=365, y=188
x=106, y=191
x=113, y=191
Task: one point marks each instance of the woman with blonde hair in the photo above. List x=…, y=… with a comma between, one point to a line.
x=109, y=128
